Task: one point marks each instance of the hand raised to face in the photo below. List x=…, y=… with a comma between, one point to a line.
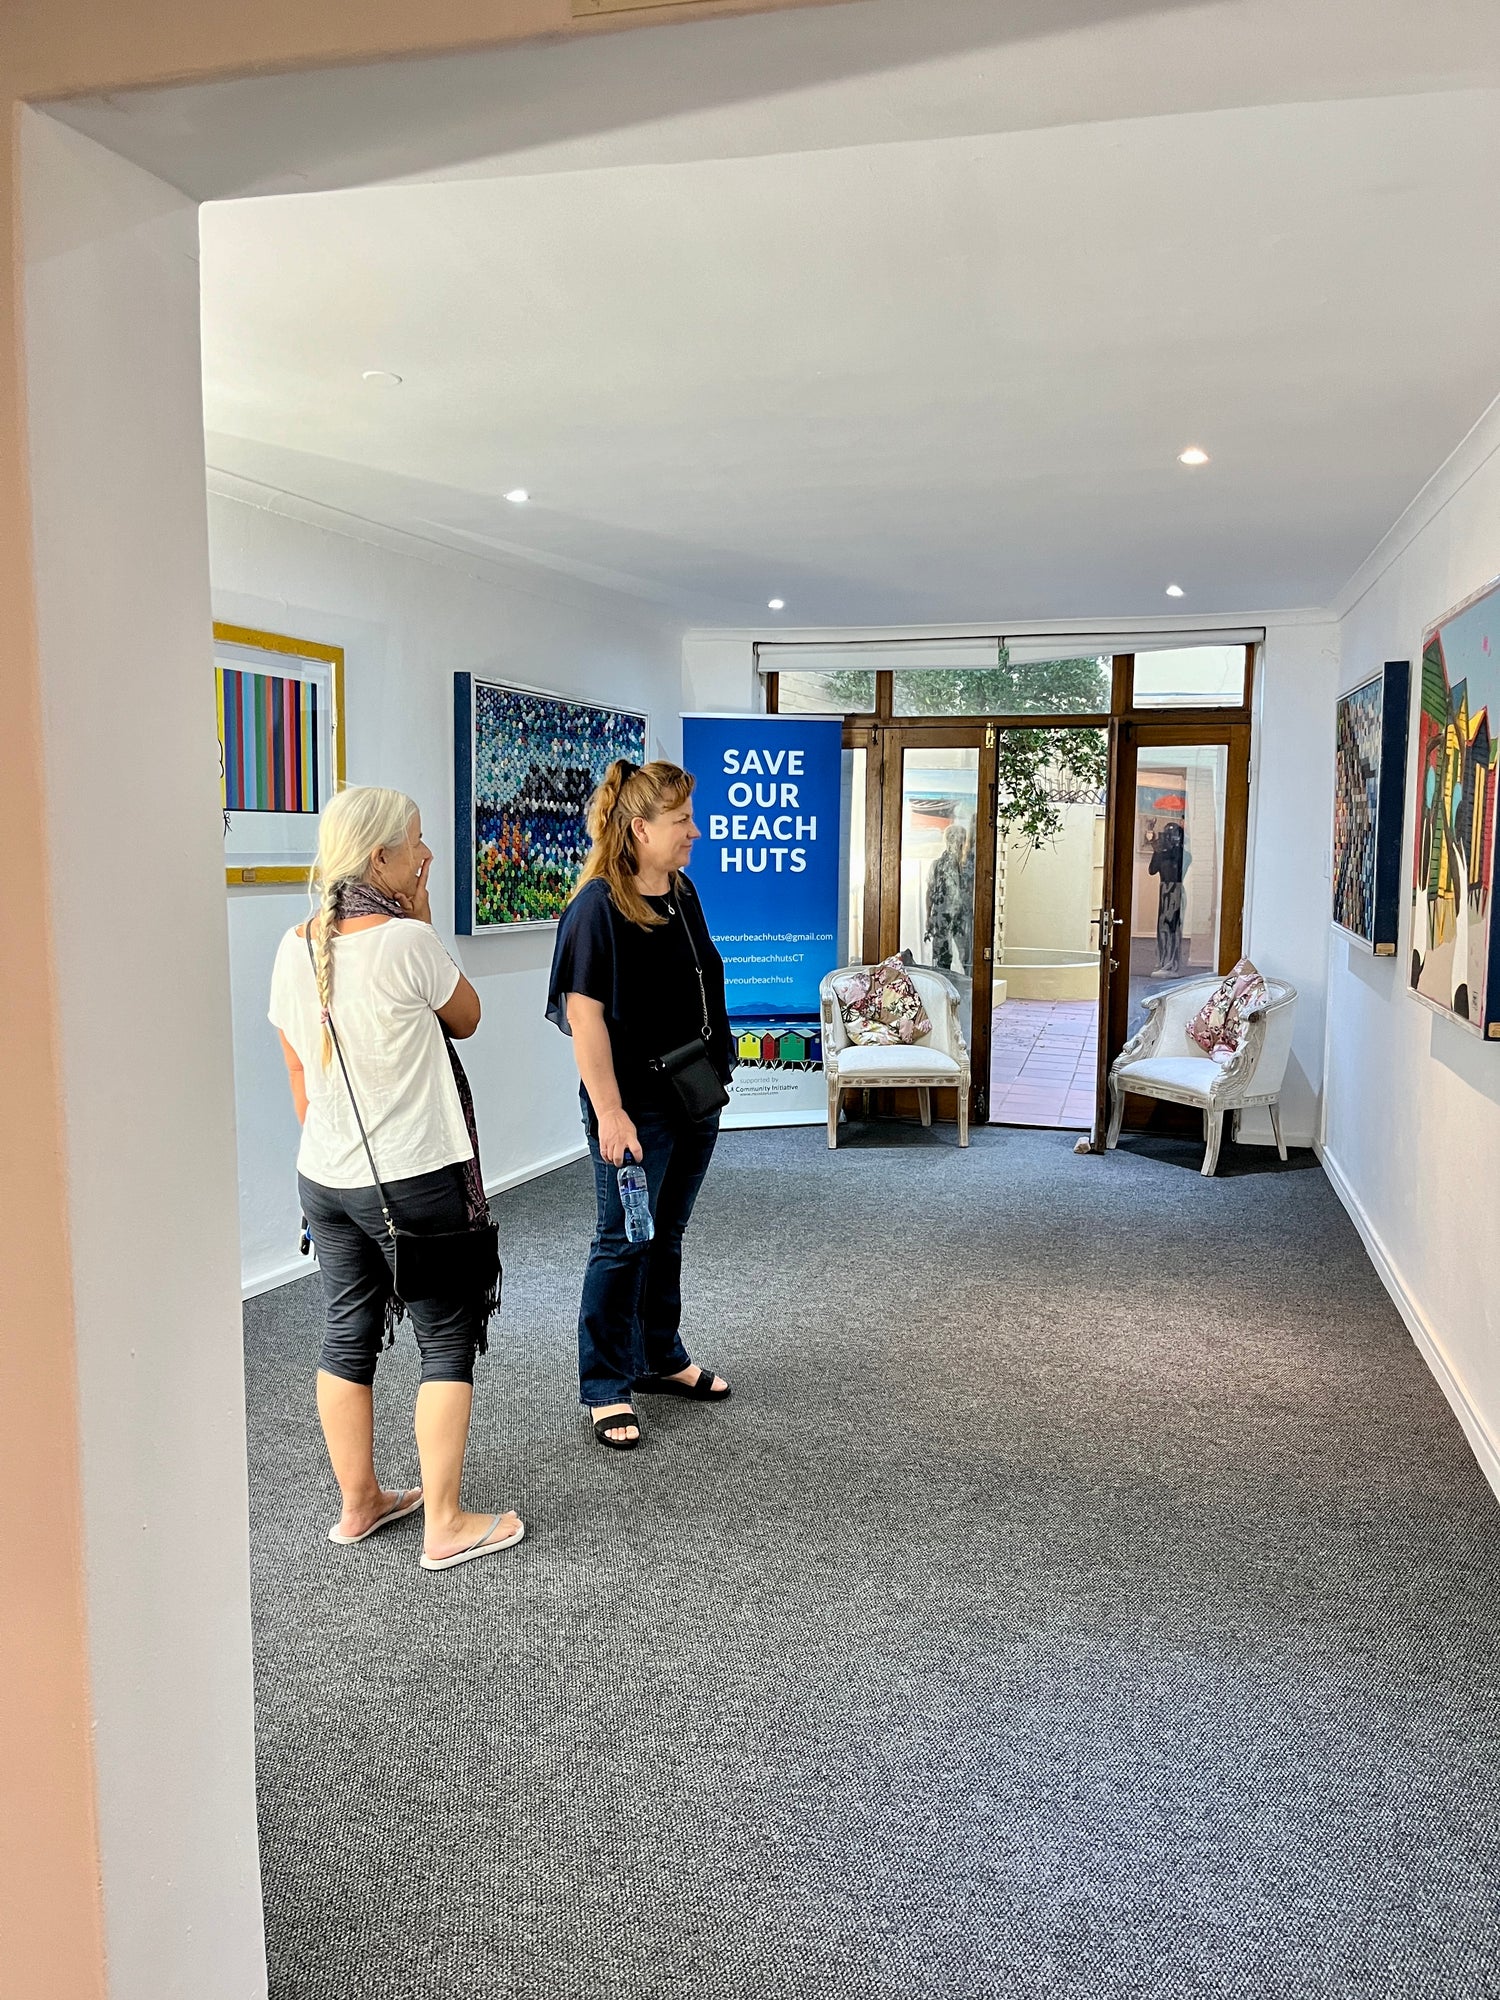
x=416, y=902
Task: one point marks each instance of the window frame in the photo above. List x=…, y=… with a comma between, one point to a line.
x=1122, y=706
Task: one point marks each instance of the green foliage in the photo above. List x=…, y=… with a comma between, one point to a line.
x=1036, y=687
x=1040, y=770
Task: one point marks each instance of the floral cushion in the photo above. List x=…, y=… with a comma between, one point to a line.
x=880, y=1005
x=1219, y=1025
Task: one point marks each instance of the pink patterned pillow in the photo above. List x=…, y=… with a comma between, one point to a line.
x=1219, y=1025
x=880, y=1005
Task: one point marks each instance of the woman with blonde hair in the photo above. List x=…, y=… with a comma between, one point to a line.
x=639, y=985
x=367, y=1001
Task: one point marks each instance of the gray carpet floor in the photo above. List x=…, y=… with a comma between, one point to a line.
x=1086, y=1592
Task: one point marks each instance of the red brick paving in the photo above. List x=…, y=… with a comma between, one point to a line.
x=1042, y=1063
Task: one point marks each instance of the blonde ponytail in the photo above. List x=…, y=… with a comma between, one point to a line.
x=629, y=792
x=355, y=824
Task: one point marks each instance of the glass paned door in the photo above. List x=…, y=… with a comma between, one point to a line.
x=1179, y=862
x=939, y=827
x=1177, y=858
x=934, y=788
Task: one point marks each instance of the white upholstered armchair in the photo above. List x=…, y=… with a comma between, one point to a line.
x=1162, y=1061
x=939, y=1061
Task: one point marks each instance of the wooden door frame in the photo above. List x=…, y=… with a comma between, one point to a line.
x=1131, y=728
x=1142, y=732
x=883, y=884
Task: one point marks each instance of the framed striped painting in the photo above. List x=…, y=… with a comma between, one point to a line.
x=280, y=711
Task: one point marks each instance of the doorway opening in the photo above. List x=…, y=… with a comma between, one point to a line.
x=1063, y=835
x=1051, y=798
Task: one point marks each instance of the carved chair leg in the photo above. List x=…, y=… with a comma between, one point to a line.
x=1275, y=1110
x=963, y=1111
x=1116, y=1115
x=1213, y=1131
x=833, y=1117
x=924, y=1105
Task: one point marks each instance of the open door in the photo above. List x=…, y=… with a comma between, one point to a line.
x=1179, y=796
x=1108, y=924
x=937, y=871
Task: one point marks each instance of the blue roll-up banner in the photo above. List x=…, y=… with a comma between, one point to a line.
x=767, y=865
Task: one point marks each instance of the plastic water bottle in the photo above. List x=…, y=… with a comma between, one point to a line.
x=635, y=1199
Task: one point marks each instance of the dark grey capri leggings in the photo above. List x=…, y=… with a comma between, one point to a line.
x=356, y=1259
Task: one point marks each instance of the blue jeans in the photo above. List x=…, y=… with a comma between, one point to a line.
x=629, y=1321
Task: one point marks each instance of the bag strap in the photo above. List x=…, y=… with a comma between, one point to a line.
x=338, y=1049
x=684, y=883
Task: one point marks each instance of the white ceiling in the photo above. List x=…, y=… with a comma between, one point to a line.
x=898, y=311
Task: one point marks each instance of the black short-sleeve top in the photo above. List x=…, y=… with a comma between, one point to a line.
x=646, y=982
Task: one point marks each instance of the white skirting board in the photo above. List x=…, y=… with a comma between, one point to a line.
x=1485, y=1446
x=299, y=1267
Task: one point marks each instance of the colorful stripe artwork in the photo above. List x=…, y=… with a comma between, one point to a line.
x=269, y=727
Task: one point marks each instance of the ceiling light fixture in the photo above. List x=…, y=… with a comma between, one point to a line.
x=1194, y=455
x=777, y=604
x=1174, y=590
x=518, y=496
x=382, y=377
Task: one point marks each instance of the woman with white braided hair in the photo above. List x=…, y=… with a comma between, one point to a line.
x=368, y=981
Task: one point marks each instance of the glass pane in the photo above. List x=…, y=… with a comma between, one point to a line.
x=939, y=806
x=1191, y=677
x=1014, y=687
x=826, y=694
x=852, y=893
x=1049, y=885
x=1177, y=891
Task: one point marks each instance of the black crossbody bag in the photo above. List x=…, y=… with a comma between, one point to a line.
x=441, y=1264
x=687, y=1071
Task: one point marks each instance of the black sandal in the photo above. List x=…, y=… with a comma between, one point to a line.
x=700, y=1391
x=615, y=1421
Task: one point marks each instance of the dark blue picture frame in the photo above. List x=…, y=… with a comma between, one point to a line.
x=1370, y=811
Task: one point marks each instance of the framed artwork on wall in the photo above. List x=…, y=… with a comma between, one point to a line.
x=524, y=767
x=280, y=705
x=1455, y=945
x=1369, y=803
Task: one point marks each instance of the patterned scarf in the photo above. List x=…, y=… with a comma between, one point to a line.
x=363, y=899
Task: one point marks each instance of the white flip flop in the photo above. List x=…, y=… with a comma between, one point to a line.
x=397, y=1513
x=483, y=1547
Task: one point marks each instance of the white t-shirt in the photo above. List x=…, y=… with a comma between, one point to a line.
x=387, y=981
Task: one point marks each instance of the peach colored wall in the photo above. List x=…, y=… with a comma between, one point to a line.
x=50, y=1906
x=51, y=1919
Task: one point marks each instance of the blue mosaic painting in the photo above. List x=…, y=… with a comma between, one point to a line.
x=526, y=767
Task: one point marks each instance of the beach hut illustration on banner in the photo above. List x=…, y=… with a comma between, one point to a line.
x=772, y=1047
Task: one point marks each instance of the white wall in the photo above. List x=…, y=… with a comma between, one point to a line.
x=408, y=619
x=1052, y=892
x=1286, y=889
x=718, y=672
x=1412, y=1131
x=138, y=914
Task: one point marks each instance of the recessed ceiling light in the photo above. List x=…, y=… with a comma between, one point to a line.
x=1194, y=455
x=518, y=496
x=1174, y=590
x=777, y=604
x=381, y=376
